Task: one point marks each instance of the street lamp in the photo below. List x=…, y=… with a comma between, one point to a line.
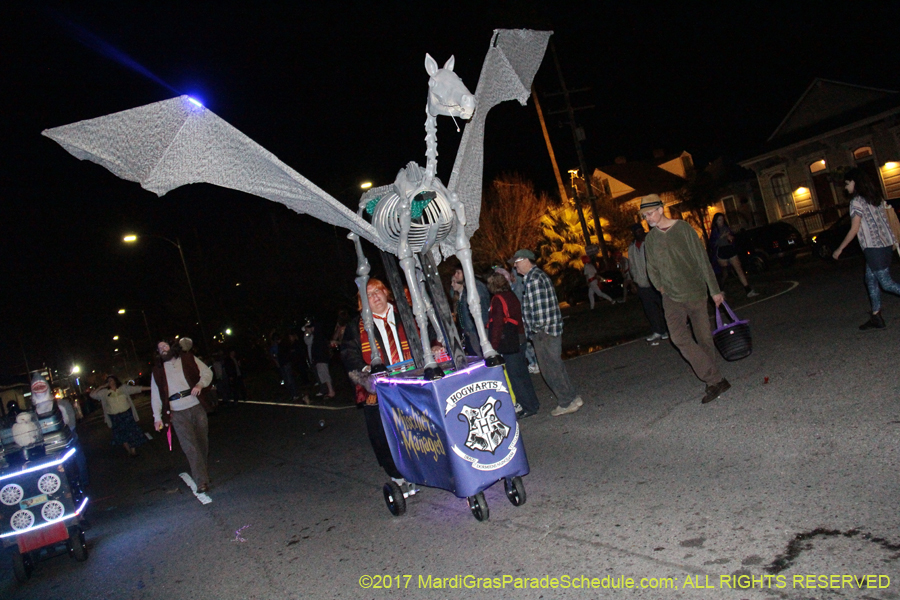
x=122, y=311
x=131, y=238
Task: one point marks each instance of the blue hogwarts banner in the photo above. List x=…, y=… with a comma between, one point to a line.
x=458, y=433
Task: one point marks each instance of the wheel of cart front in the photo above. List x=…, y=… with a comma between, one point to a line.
x=393, y=497
x=22, y=565
x=76, y=545
x=479, y=507
x=515, y=490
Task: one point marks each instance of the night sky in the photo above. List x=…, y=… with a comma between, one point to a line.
x=336, y=90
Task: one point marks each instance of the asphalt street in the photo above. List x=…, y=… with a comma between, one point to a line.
x=789, y=478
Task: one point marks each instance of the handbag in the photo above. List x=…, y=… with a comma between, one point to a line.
x=732, y=339
x=894, y=223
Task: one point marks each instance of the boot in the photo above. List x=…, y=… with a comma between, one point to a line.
x=876, y=321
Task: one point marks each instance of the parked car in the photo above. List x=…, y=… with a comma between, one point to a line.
x=826, y=242
x=759, y=246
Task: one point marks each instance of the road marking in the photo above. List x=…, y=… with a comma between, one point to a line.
x=203, y=498
x=297, y=405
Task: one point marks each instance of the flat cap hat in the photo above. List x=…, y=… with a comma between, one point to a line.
x=522, y=254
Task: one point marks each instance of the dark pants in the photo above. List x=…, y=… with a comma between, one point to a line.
x=192, y=429
x=700, y=354
x=548, y=349
x=651, y=300
x=377, y=437
x=520, y=380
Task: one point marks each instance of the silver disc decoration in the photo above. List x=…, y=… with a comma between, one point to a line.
x=11, y=494
x=22, y=519
x=53, y=510
x=49, y=483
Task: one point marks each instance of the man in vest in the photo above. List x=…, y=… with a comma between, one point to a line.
x=177, y=397
x=356, y=352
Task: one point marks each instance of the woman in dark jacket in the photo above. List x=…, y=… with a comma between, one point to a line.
x=721, y=243
x=510, y=342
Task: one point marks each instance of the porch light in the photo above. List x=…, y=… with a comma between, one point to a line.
x=891, y=165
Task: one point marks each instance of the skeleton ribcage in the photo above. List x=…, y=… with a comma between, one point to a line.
x=386, y=219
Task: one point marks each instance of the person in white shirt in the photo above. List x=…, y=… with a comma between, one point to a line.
x=590, y=273
x=177, y=398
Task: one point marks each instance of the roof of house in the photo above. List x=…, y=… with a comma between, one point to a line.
x=825, y=107
x=825, y=100
x=644, y=178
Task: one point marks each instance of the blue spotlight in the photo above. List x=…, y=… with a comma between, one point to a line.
x=195, y=101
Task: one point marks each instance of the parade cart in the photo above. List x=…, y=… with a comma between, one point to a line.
x=458, y=433
x=41, y=500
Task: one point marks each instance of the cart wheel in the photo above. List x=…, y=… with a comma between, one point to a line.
x=393, y=497
x=22, y=566
x=478, y=506
x=515, y=490
x=77, y=549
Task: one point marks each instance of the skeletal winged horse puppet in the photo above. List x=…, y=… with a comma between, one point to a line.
x=176, y=142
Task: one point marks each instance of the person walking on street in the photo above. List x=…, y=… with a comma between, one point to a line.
x=869, y=224
x=679, y=268
x=721, y=242
x=650, y=298
x=177, y=397
x=590, y=273
x=120, y=414
x=466, y=319
x=507, y=335
x=543, y=320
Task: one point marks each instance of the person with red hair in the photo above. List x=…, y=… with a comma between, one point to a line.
x=356, y=353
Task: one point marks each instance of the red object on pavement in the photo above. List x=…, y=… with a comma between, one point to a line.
x=766, y=380
x=45, y=536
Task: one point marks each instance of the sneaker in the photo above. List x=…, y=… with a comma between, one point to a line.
x=715, y=390
x=876, y=321
x=654, y=337
x=752, y=294
x=519, y=410
x=665, y=336
x=576, y=404
x=534, y=369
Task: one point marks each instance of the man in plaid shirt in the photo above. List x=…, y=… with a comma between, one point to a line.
x=543, y=324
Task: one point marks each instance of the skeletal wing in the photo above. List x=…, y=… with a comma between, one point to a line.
x=168, y=144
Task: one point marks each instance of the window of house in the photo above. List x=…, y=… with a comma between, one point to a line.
x=862, y=152
x=817, y=166
x=782, y=194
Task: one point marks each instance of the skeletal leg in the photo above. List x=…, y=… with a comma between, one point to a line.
x=362, y=281
x=408, y=264
x=464, y=254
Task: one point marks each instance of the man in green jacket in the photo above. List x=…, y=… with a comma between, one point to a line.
x=678, y=266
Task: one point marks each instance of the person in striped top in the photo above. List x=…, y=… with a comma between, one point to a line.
x=869, y=224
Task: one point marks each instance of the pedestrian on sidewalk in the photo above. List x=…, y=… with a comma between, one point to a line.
x=543, y=321
x=869, y=223
x=650, y=298
x=678, y=266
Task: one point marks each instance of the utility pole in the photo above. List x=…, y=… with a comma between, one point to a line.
x=578, y=136
x=563, y=196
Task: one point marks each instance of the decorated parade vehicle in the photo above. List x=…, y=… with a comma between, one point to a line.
x=449, y=424
x=42, y=502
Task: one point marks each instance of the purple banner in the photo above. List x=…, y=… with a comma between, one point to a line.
x=458, y=433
